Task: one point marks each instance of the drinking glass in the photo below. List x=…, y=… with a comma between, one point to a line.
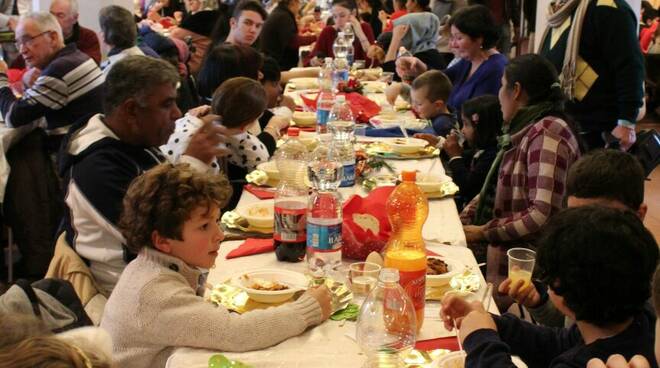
x=521, y=265
x=363, y=277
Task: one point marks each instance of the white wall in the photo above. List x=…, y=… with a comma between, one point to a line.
x=542, y=10
x=89, y=9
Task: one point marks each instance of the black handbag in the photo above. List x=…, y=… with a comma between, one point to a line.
x=647, y=149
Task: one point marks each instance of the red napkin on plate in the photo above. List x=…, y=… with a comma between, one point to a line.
x=252, y=246
x=362, y=107
x=260, y=193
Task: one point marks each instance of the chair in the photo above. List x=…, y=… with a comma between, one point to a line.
x=67, y=265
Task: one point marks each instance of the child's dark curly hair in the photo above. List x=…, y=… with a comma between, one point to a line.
x=163, y=198
x=600, y=260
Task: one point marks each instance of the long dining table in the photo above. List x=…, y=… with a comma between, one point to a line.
x=332, y=343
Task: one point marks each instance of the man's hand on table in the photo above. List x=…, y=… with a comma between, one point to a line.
x=204, y=143
x=618, y=361
x=324, y=297
x=527, y=296
x=465, y=316
x=474, y=234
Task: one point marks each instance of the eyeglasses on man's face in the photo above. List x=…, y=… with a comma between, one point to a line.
x=28, y=40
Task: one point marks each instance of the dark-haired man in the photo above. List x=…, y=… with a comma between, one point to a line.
x=246, y=23
x=103, y=155
x=598, y=264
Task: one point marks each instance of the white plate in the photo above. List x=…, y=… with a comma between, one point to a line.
x=304, y=83
x=295, y=280
x=453, y=265
x=304, y=118
x=270, y=168
x=430, y=183
x=406, y=145
x=455, y=359
x=253, y=213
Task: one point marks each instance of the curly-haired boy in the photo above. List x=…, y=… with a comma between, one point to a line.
x=170, y=218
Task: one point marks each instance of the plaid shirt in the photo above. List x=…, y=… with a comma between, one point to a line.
x=531, y=182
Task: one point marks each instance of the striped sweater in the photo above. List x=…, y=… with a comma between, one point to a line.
x=531, y=183
x=68, y=89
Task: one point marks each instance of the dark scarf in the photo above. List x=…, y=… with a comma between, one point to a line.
x=525, y=116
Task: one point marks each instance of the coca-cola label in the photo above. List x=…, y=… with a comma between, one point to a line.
x=289, y=225
x=414, y=284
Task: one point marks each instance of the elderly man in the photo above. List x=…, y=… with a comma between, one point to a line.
x=119, y=33
x=246, y=23
x=103, y=155
x=66, y=12
x=68, y=88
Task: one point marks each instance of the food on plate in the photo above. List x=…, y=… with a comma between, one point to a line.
x=436, y=266
x=259, y=211
x=257, y=177
x=400, y=141
x=262, y=284
x=304, y=118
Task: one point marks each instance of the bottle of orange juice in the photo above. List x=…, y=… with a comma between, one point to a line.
x=407, y=209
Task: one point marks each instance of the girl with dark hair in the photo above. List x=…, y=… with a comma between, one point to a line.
x=344, y=13
x=526, y=183
x=418, y=6
x=482, y=122
x=473, y=37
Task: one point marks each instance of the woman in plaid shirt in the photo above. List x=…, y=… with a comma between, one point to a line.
x=526, y=184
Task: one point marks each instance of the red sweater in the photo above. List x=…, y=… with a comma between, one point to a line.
x=89, y=44
x=323, y=46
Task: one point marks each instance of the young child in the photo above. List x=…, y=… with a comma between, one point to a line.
x=239, y=102
x=278, y=104
x=609, y=178
x=429, y=94
x=598, y=262
x=170, y=218
x=482, y=122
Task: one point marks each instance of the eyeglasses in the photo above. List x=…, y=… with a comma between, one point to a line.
x=27, y=40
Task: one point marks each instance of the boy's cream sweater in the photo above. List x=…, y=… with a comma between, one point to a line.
x=154, y=309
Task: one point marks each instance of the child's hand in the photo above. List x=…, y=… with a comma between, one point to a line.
x=199, y=111
x=528, y=296
x=618, y=361
x=392, y=92
x=454, y=309
x=478, y=319
x=451, y=146
x=324, y=297
x=432, y=139
x=287, y=101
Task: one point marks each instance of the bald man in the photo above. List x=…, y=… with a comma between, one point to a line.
x=66, y=12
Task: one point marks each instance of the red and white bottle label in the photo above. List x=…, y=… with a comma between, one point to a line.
x=414, y=284
x=290, y=224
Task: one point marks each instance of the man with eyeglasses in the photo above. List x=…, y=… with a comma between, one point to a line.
x=68, y=88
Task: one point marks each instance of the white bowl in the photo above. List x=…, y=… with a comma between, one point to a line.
x=455, y=359
x=409, y=145
x=304, y=83
x=374, y=86
x=430, y=183
x=294, y=280
x=270, y=168
x=454, y=268
x=387, y=120
x=259, y=214
x=304, y=118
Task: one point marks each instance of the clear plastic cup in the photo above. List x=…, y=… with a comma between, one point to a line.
x=363, y=277
x=521, y=265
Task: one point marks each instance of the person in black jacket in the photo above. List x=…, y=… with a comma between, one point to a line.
x=598, y=263
x=279, y=36
x=482, y=122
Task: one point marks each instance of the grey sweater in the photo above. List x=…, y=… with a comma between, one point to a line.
x=154, y=309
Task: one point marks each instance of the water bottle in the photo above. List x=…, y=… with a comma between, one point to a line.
x=324, y=213
x=340, y=49
x=349, y=36
x=326, y=97
x=386, y=326
x=291, y=199
x=341, y=125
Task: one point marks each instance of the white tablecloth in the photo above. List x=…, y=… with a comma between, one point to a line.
x=327, y=345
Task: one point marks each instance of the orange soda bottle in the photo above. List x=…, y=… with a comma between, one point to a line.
x=407, y=209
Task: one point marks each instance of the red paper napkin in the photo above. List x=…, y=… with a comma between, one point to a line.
x=362, y=107
x=252, y=246
x=449, y=343
x=260, y=193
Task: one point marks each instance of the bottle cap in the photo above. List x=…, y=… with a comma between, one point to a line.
x=407, y=175
x=389, y=275
x=293, y=132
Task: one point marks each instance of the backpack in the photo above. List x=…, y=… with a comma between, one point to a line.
x=53, y=301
